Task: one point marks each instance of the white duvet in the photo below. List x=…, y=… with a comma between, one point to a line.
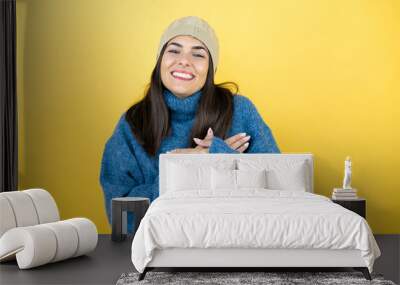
x=251, y=218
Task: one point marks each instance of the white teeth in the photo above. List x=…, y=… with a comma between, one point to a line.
x=183, y=75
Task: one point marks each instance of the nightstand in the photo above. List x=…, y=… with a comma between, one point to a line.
x=357, y=205
x=120, y=206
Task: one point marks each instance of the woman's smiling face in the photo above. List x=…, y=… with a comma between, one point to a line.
x=184, y=65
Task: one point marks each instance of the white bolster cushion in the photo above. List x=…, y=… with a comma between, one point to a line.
x=23, y=208
x=40, y=244
x=33, y=246
x=67, y=239
x=7, y=218
x=26, y=208
x=87, y=235
x=46, y=207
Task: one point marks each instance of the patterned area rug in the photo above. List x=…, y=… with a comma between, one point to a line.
x=269, y=278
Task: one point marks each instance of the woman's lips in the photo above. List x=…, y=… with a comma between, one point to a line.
x=180, y=78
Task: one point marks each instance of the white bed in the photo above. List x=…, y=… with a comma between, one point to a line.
x=200, y=220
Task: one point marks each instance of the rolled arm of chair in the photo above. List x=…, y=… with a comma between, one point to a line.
x=46, y=243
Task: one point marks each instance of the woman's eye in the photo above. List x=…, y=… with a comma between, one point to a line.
x=195, y=54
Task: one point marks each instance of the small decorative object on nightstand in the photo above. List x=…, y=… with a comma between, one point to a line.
x=347, y=192
x=120, y=206
x=347, y=173
x=357, y=205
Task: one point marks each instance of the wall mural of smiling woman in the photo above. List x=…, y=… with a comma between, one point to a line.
x=183, y=111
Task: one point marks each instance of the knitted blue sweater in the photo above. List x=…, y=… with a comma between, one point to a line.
x=127, y=170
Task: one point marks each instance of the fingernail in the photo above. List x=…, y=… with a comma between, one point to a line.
x=196, y=140
x=246, y=144
x=243, y=134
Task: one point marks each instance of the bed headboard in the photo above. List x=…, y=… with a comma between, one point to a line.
x=210, y=157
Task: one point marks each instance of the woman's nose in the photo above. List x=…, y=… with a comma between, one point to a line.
x=184, y=59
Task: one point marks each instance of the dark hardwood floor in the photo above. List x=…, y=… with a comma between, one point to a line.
x=110, y=260
x=389, y=262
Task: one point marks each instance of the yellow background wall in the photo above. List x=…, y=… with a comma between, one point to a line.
x=325, y=75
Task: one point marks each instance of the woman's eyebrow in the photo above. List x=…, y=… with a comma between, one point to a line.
x=179, y=45
x=198, y=47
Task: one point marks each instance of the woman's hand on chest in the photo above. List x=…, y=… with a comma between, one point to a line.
x=202, y=145
x=238, y=142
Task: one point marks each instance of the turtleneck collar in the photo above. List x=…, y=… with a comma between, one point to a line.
x=182, y=108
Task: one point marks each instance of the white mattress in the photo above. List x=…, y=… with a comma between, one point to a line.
x=252, y=218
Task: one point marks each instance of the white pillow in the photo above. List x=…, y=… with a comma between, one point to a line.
x=181, y=177
x=287, y=179
x=251, y=178
x=281, y=174
x=184, y=174
x=223, y=179
x=237, y=179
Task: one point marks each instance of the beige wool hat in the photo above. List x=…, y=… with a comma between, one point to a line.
x=196, y=27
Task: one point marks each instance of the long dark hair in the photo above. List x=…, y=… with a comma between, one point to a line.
x=149, y=118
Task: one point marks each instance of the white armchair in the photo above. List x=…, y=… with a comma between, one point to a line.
x=31, y=231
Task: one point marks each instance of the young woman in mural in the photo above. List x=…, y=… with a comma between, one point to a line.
x=183, y=111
